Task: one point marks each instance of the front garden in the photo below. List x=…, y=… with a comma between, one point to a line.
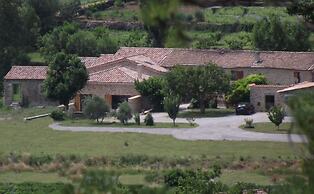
x=133, y=161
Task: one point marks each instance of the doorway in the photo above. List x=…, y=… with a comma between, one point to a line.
x=116, y=100
x=269, y=101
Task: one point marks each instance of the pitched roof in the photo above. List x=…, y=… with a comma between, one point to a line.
x=155, y=54
x=27, y=73
x=169, y=57
x=115, y=75
x=91, y=62
x=300, y=86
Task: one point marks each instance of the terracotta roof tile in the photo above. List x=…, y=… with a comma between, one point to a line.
x=234, y=59
x=303, y=85
x=169, y=57
x=115, y=75
x=155, y=54
x=27, y=73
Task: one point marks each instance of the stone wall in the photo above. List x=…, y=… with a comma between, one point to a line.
x=31, y=93
x=276, y=76
x=258, y=93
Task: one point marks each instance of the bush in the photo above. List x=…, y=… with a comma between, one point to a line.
x=240, y=91
x=171, y=106
x=124, y=112
x=95, y=108
x=190, y=181
x=149, y=120
x=58, y=115
x=152, y=88
x=137, y=118
x=276, y=115
x=248, y=123
x=36, y=188
x=199, y=16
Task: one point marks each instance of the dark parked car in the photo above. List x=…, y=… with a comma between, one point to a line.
x=245, y=109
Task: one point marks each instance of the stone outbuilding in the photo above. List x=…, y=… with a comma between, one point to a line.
x=23, y=85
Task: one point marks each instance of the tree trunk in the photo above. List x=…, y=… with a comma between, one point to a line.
x=202, y=105
x=174, y=122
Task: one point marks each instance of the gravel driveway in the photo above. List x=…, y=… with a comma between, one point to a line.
x=222, y=128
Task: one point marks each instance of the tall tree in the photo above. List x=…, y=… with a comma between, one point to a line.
x=302, y=108
x=161, y=22
x=304, y=8
x=66, y=76
x=272, y=34
x=11, y=34
x=201, y=83
x=46, y=11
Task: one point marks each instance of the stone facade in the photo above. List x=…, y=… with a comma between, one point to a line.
x=259, y=93
x=31, y=93
x=277, y=76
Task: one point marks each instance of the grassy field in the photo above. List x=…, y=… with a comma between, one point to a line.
x=84, y=122
x=36, y=57
x=268, y=127
x=195, y=113
x=14, y=177
x=36, y=137
x=229, y=177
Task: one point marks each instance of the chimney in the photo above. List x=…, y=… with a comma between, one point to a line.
x=139, y=71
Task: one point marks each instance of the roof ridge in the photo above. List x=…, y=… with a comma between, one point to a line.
x=223, y=49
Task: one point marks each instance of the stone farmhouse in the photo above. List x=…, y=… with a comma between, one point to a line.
x=112, y=76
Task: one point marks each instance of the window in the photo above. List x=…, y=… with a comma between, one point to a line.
x=17, y=96
x=297, y=77
x=236, y=75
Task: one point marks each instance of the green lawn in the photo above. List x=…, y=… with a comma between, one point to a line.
x=84, y=122
x=195, y=113
x=269, y=127
x=230, y=177
x=133, y=179
x=36, y=57
x=13, y=177
x=36, y=138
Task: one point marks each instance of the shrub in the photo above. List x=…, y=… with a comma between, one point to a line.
x=95, y=108
x=240, y=91
x=190, y=181
x=276, y=115
x=248, y=123
x=37, y=188
x=57, y=115
x=199, y=16
x=171, y=106
x=118, y=3
x=124, y=112
x=137, y=118
x=152, y=88
x=149, y=120
x=191, y=121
